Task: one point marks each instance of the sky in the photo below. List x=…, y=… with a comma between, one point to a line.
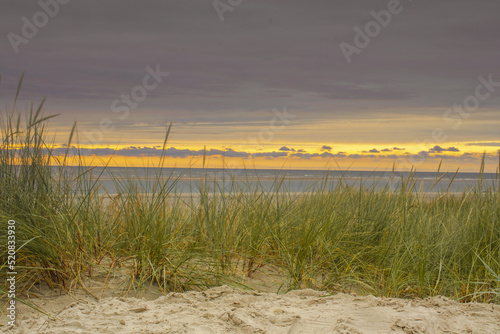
x=265, y=84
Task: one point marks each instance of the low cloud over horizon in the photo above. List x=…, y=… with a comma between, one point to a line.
x=137, y=152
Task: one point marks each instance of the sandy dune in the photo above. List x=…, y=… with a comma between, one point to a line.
x=226, y=310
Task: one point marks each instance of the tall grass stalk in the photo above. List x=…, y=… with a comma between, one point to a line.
x=335, y=237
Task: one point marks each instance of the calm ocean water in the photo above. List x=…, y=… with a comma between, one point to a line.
x=189, y=181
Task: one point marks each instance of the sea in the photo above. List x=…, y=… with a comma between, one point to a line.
x=113, y=180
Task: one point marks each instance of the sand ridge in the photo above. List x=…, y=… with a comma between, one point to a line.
x=227, y=310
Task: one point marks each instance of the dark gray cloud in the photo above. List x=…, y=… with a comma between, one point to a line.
x=326, y=148
x=265, y=54
x=439, y=149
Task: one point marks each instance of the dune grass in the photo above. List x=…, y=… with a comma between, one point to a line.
x=334, y=238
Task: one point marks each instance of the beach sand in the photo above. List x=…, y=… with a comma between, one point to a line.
x=228, y=310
